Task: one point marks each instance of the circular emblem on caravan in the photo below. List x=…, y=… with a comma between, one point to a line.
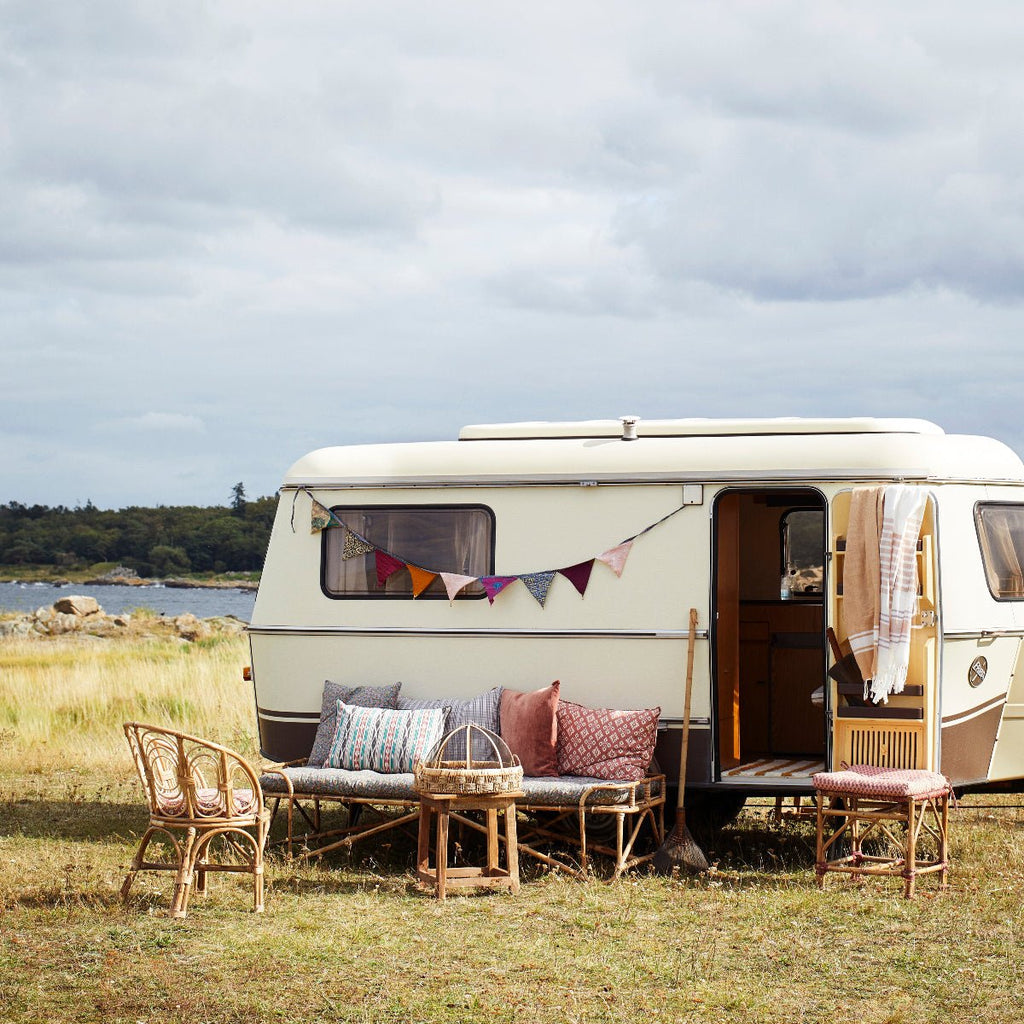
x=977, y=672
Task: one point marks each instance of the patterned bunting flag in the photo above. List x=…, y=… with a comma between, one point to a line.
x=615, y=558
x=354, y=546
x=320, y=517
x=494, y=585
x=453, y=583
x=538, y=584
x=579, y=574
x=421, y=578
x=387, y=565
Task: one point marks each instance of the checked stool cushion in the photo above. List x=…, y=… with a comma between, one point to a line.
x=884, y=783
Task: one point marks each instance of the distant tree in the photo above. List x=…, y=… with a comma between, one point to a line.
x=168, y=560
x=238, y=499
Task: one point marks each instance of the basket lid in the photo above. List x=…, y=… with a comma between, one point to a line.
x=457, y=749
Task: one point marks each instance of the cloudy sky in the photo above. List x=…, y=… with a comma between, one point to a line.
x=233, y=232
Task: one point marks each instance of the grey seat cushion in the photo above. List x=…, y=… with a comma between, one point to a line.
x=566, y=790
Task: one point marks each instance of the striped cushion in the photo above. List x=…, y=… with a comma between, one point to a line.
x=481, y=710
x=383, y=740
x=364, y=696
x=883, y=783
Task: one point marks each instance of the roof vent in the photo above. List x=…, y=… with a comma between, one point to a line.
x=629, y=427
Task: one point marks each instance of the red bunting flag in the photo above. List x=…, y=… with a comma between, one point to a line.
x=387, y=566
x=579, y=574
x=421, y=578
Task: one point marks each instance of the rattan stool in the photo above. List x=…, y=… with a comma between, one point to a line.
x=446, y=806
x=864, y=802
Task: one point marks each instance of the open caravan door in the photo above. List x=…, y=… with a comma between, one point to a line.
x=884, y=616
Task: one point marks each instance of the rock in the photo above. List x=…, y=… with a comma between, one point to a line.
x=188, y=627
x=62, y=622
x=77, y=605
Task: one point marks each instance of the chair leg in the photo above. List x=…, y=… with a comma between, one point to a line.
x=183, y=881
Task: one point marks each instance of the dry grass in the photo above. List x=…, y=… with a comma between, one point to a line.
x=354, y=941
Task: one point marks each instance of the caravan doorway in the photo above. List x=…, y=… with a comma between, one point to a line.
x=770, y=722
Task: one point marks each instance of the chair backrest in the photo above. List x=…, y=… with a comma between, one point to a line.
x=191, y=779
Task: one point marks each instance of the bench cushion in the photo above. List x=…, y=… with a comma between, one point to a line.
x=604, y=743
x=529, y=725
x=384, y=739
x=482, y=710
x=364, y=785
x=360, y=696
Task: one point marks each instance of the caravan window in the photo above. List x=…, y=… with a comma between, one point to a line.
x=441, y=538
x=1001, y=535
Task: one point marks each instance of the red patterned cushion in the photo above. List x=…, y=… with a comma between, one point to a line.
x=601, y=743
x=883, y=783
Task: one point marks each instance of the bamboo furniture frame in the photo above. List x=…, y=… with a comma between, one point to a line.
x=922, y=820
x=197, y=792
x=641, y=804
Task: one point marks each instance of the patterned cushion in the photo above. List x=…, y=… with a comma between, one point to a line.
x=384, y=740
x=481, y=710
x=566, y=790
x=606, y=744
x=362, y=696
x=883, y=783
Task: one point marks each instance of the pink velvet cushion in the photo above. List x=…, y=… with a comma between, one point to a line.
x=529, y=725
x=602, y=743
x=883, y=783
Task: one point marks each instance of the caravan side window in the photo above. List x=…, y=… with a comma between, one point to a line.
x=441, y=538
x=1001, y=535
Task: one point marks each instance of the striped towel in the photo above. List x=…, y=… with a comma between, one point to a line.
x=897, y=555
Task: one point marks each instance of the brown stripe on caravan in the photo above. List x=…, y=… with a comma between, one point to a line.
x=962, y=716
x=285, y=741
x=967, y=745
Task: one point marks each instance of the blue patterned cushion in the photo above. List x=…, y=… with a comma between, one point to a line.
x=480, y=710
x=383, y=740
x=363, y=696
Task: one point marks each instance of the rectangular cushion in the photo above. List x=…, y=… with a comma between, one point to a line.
x=529, y=725
x=482, y=710
x=362, y=696
x=604, y=743
x=382, y=739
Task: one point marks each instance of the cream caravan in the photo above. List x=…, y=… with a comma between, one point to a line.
x=523, y=553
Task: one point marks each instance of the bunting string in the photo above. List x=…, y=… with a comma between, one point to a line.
x=537, y=583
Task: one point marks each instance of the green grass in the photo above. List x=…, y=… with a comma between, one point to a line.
x=353, y=939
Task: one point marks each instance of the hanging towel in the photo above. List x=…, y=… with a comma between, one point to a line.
x=903, y=509
x=862, y=577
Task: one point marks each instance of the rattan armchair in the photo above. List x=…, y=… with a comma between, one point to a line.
x=198, y=792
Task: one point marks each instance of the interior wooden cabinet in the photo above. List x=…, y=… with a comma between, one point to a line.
x=900, y=733
x=769, y=652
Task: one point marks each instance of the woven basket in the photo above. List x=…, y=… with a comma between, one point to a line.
x=469, y=776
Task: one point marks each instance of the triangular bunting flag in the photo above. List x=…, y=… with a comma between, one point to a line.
x=320, y=517
x=494, y=585
x=421, y=578
x=615, y=558
x=579, y=574
x=387, y=565
x=453, y=583
x=538, y=584
x=354, y=546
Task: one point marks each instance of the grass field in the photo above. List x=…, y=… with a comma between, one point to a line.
x=353, y=940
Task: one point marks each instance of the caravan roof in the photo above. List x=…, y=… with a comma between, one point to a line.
x=600, y=451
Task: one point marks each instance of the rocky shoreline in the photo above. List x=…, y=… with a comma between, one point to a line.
x=122, y=577
x=78, y=616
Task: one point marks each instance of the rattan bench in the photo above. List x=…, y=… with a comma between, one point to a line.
x=561, y=810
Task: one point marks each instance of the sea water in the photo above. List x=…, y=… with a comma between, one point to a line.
x=203, y=602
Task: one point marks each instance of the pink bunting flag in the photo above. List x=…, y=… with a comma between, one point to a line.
x=615, y=558
x=421, y=578
x=454, y=582
x=579, y=574
x=387, y=565
x=494, y=585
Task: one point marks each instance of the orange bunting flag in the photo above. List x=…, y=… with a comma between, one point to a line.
x=421, y=578
x=615, y=558
x=453, y=583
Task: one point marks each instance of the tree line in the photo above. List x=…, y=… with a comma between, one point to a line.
x=162, y=541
